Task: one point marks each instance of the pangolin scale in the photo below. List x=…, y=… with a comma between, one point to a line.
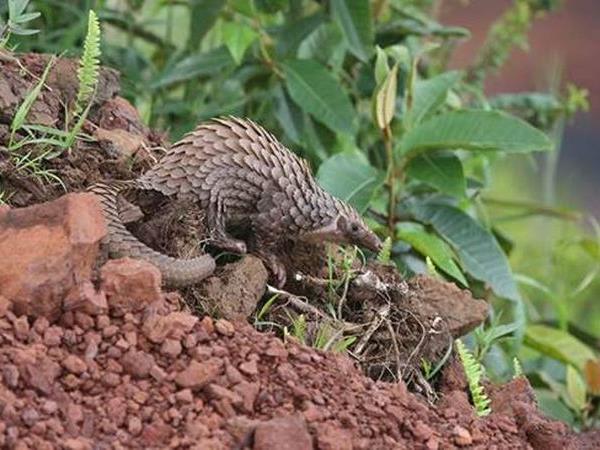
x=238, y=172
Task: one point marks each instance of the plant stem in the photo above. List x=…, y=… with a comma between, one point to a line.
x=387, y=141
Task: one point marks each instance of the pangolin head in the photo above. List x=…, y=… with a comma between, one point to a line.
x=345, y=226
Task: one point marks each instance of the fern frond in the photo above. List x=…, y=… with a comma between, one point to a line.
x=89, y=64
x=474, y=373
x=386, y=251
x=517, y=368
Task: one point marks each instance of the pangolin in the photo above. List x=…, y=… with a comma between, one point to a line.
x=238, y=173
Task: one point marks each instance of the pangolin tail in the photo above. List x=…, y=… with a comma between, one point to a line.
x=121, y=243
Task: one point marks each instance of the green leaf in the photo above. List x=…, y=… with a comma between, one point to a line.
x=553, y=407
x=288, y=114
x=381, y=65
x=432, y=246
x=576, y=389
x=237, y=38
x=474, y=130
x=384, y=102
x=291, y=35
x=325, y=44
x=316, y=91
x=429, y=95
x=442, y=172
x=558, y=344
x=350, y=177
x=271, y=6
x=354, y=17
x=194, y=66
x=478, y=250
x=203, y=15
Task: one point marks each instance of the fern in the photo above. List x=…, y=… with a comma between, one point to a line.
x=474, y=372
x=89, y=64
x=517, y=369
x=299, y=327
x=386, y=250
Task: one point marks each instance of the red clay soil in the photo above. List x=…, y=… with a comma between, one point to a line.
x=161, y=378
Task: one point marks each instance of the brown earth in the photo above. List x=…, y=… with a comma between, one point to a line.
x=95, y=355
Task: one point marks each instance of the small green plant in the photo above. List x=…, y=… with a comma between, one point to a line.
x=89, y=65
x=517, y=368
x=21, y=114
x=17, y=18
x=487, y=336
x=299, y=328
x=474, y=373
x=386, y=251
x=47, y=137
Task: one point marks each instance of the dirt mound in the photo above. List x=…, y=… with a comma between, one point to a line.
x=162, y=378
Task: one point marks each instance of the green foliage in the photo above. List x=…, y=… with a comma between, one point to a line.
x=474, y=373
x=17, y=18
x=89, y=64
x=21, y=114
x=386, y=251
x=364, y=92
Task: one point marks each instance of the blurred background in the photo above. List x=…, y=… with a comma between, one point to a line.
x=562, y=44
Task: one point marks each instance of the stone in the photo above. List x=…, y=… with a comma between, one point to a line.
x=174, y=325
x=5, y=306
x=53, y=247
x=130, y=285
x=197, y=375
x=85, y=298
x=224, y=327
x=137, y=363
x=462, y=436
x=239, y=287
x=74, y=364
x=331, y=437
x=286, y=433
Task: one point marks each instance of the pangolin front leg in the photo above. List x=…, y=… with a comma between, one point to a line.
x=215, y=220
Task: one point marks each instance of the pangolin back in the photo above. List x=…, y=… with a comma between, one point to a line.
x=243, y=168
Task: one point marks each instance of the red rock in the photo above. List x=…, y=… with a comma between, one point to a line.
x=207, y=324
x=53, y=336
x=137, y=363
x=130, y=284
x=421, y=431
x=5, y=306
x=40, y=325
x=248, y=392
x=37, y=370
x=462, y=436
x=331, y=437
x=217, y=392
x=249, y=367
x=85, y=298
x=74, y=364
x=174, y=325
x=185, y=396
x=77, y=444
x=53, y=246
x=134, y=425
x=156, y=433
x=224, y=327
x=197, y=375
x=10, y=373
x=157, y=373
x=21, y=326
x=289, y=433
x=171, y=347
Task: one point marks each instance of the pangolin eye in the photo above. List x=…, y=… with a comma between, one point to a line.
x=354, y=227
